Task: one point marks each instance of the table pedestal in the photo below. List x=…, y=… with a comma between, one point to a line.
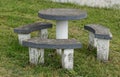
x=62, y=33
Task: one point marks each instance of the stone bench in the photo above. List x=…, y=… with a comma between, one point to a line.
x=24, y=31
x=99, y=37
x=36, y=46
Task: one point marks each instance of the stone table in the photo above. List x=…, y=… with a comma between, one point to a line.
x=62, y=15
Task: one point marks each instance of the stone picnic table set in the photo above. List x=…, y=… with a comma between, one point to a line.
x=99, y=36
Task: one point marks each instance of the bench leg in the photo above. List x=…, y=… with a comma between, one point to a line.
x=92, y=40
x=67, y=58
x=36, y=56
x=59, y=51
x=43, y=33
x=102, y=49
x=22, y=37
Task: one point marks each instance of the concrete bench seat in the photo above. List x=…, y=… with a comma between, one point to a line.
x=99, y=31
x=37, y=54
x=32, y=27
x=52, y=43
x=24, y=31
x=99, y=37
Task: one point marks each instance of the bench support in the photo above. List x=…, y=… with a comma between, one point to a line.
x=102, y=49
x=67, y=58
x=99, y=37
x=36, y=56
x=92, y=40
x=22, y=37
x=43, y=33
x=102, y=46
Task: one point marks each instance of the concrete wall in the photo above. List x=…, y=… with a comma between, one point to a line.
x=94, y=3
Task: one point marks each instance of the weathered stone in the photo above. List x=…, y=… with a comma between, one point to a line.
x=62, y=14
x=52, y=43
x=102, y=49
x=99, y=37
x=62, y=42
x=67, y=58
x=26, y=29
x=99, y=31
x=92, y=41
x=36, y=56
x=22, y=37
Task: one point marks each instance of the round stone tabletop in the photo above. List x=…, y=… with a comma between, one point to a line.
x=62, y=14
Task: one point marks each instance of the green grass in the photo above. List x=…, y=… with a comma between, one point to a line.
x=14, y=58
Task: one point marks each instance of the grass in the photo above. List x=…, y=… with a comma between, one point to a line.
x=14, y=58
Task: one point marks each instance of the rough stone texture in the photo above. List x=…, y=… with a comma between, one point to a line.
x=102, y=49
x=22, y=37
x=67, y=58
x=43, y=33
x=94, y=3
x=99, y=37
x=62, y=14
x=32, y=27
x=52, y=43
x=92, y=40
x=99, y=31
x=36, y=56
